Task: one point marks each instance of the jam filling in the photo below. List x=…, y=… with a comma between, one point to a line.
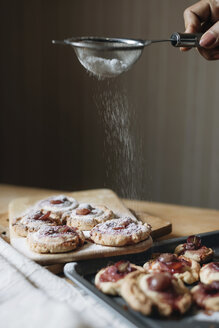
x=170, y=263
x=83, y=211
x=43, y=217
x=205, y=291
x=116, y=272
x=55, y=202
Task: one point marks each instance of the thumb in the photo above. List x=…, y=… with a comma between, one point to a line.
x=210, y=39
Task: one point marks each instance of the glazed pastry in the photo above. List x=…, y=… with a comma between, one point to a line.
x=87, y=216
x=160, y=290
x=55, y=239
x=209, y=273
x=194, y=250
x=180, y=267
x=120, y=232
x=32, y=220
x=207, y=296
x=109, y=279
x=57, y=204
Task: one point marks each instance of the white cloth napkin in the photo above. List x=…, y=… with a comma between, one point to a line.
x=23, y=305
x=31, y=296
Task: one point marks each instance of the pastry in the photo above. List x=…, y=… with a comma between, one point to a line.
x=109, y=279
x=57, y=204
x=32, y=220
x=180, y=267
x=133, y=294
x=209, y=273
x=120, y=232
x=194, y=250
x=207, y=296
x=87, y=216
x=155, y=290
x=55, y=239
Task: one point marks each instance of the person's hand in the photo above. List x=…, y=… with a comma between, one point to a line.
x=204, y=17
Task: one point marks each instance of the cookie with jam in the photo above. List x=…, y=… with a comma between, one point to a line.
x=87, y=216
x=55, y=239
x=209, y=273
x=120, y=232
x=32, y=220
x=57, y=204
x=194, y=250
x=179, y=266
x=159, y=290
x=206, y=296
x=109, y=280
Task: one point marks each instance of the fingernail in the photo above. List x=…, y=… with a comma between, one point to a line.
x=208, y=39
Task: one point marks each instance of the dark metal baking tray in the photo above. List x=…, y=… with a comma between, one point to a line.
x=83, y=273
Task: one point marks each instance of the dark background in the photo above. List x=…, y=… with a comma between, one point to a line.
x=51, y=130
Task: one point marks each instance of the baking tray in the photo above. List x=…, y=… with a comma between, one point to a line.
x=83, y=273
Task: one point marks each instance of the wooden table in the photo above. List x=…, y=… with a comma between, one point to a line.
x=185, y=220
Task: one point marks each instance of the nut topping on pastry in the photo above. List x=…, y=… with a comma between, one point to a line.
x=193, y=242
x=83, y=211
x=122, y=266
x=167, y=257
x=159, y=282
x=32, y=220
x=87, y=216
x=41, y=216
x=55, y=202
x=181, y=267
x=194, y=249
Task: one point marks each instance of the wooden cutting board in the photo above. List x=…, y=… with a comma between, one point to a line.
x=87, y=251
x=90, y=250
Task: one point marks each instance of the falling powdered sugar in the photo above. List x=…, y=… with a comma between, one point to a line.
x=122, y=142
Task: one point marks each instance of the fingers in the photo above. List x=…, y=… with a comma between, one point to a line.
x=211, y=38
x=194, y=16
x=209, y=54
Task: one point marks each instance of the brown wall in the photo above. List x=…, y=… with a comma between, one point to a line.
x=51, y=132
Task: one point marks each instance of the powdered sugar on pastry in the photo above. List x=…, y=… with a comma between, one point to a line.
x=87, y=216
x=33, y=220
x=120, y=232
x=57, y=204
x=55, y=239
